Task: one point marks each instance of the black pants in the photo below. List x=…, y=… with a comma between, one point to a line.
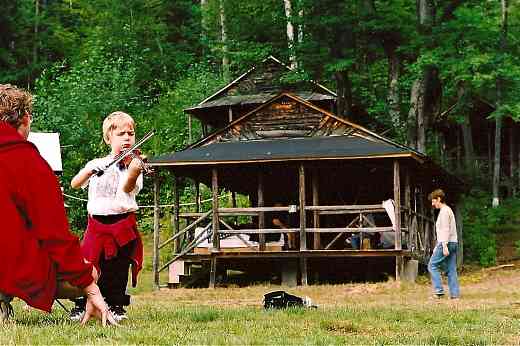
x=114, y=276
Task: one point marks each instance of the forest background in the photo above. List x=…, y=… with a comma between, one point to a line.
x=405, y=68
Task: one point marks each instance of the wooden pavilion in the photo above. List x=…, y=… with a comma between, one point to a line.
x=325, y=176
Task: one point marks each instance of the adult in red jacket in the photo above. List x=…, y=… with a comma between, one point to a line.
x=40, y=258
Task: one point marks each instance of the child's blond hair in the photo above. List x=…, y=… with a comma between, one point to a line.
x=113, y=120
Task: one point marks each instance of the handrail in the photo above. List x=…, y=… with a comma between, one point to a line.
x=189, y=247
x=343, y=207
x=193, y=224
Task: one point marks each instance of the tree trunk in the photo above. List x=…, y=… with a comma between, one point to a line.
x=224, y=41
x=425, y=15
x=498, y=119
x=416, y=101
x=512, y=161
x=290, y=33
x=36, y=30
x=426, y=91
x=393, y=97
x=300, y=26
x=496, y=161
x=469, y=152
x=204, y=19
x=344, y=91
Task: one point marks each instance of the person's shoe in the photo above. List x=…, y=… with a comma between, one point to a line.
x=6, y=311
x=118, y=312
x=436, y=296
x=77, y=313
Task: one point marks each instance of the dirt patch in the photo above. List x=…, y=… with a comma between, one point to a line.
x=506, y=246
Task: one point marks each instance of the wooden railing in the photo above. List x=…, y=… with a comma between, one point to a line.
x=418, y=227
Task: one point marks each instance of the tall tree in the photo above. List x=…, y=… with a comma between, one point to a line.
x=224, y=40
x=425, y=96
x=289, y=10
x=500, y=96
x=290, y=32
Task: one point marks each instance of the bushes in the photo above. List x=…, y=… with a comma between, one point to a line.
x=482, y=223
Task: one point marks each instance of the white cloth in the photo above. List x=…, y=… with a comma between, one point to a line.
x=390, y=210
x=388, y=238
x=105, y=193
x=445, y=226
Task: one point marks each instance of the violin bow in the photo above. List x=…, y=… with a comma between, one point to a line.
x=125, y=153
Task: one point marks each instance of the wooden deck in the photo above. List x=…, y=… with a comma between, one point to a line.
x=298, y=254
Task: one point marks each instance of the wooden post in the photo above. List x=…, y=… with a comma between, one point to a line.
x=213, y=271
x=156, y=232
x=303, y=235
x=176, y=211
x=214, y=188
x=197, y=197
x=397, y=201
x=190, y=137
x=261, y=215
x=230, y=114
x=316, y=214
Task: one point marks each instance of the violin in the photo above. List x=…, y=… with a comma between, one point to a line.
x=135, y=154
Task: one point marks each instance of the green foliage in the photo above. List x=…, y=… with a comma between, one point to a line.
x=482, y=223
x=75, y=101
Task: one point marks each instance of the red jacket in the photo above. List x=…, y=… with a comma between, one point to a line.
x=36, y=244
x=107, y=239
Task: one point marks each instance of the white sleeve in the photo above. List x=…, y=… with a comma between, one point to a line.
x=139, y=183
x=91, y=165
x=443, y=224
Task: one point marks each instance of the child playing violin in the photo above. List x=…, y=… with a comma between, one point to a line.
x=111, y=241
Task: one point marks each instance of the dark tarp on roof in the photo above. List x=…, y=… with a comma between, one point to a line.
x=282, y=149
x=256, y=99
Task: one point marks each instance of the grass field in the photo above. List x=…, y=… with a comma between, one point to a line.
x=385, y=313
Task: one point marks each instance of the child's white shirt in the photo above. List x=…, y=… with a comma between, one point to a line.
x=105, y=193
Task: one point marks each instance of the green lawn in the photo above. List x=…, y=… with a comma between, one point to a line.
x=386, y=313
x=375, y=314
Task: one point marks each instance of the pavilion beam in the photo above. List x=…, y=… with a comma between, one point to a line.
x=213, y=271
x=156, y=231
x=407, y=205
x=316, y=213
x=197, y=197
x=190, y=134
x=215, y=225
x=176, y=212
x=261, y=215
x=303, y=236
x=397, y=201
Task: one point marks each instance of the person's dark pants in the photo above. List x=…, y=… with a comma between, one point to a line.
x=114, y=276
